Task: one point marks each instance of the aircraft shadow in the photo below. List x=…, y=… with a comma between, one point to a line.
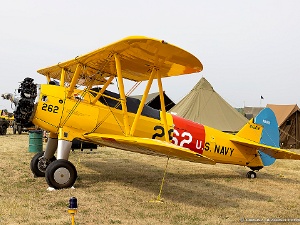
x=203, y=189
x=262, y=175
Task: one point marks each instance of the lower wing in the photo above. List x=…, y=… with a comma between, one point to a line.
x=148, y=146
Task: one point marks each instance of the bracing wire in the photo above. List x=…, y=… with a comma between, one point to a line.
x=116, y=106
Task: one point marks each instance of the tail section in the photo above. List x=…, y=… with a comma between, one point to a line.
x=263, y=129
x=264, y=138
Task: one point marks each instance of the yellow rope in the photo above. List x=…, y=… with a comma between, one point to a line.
x=158, y=198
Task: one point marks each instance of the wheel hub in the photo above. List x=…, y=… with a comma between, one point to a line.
x=42, y=164
x=62, y=175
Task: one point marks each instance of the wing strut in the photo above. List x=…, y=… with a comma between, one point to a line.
x=62, y=77
x=103, y=89
x=143, y=100
x=48, y=78
x=163, y=107
x=74, y=80
x=122, y=94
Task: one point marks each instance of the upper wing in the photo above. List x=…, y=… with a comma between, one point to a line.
x=138, y=55
x=148, y=146
x=276, y=153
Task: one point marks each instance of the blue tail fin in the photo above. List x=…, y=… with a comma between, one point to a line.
x=270, y=133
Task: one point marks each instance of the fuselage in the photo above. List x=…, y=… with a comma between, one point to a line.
x=77, y=116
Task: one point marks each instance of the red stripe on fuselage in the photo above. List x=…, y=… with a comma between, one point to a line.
x=188, y=134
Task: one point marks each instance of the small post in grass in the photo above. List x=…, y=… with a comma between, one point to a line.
x=72, y=208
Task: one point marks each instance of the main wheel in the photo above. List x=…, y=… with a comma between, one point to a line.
x=61, y=174
x=39, y=164
x=251, y=175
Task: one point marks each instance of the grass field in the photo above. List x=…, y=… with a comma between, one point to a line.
x=116, y=187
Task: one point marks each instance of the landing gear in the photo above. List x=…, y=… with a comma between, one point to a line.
x=61, y=174
x=39, y=164
x=251, y=175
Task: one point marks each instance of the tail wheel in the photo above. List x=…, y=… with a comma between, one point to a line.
x=251, y=175
x=39, y=164
x=61, y=174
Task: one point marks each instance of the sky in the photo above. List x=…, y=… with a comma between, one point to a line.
x=248, y=48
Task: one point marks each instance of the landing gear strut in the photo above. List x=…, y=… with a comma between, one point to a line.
x=61, y=173
x=58, y=171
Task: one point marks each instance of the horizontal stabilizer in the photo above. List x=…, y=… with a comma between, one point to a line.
x=148, y=146
x=251, y=131
x=276, y=153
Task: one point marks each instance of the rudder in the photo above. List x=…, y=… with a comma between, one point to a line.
x=270, y=133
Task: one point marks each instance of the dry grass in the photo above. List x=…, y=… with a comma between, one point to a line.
x=115, y=187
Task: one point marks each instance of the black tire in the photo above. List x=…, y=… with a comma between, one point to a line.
x=38, y=169
x=3, y=130
x=251, y=175
x=19, y=128
x=61, y=174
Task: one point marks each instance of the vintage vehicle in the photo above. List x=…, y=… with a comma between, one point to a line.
x=4, y=124
x=81, y=107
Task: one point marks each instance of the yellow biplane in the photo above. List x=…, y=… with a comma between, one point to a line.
x=97, y=115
